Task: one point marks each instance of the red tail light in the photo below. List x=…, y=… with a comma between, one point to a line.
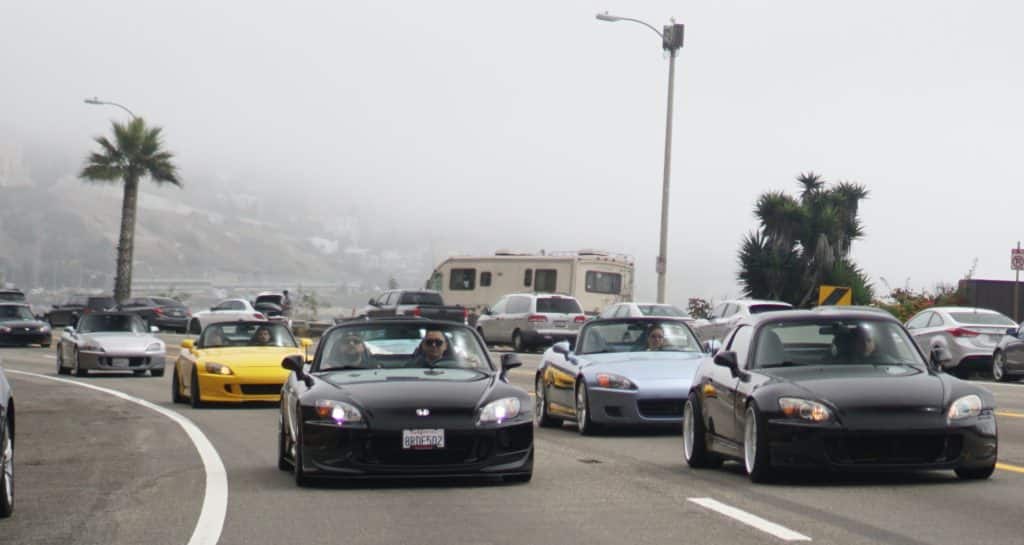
x=158, y=311
x=416, y=311
x=961, y=332
x=259, y=316
x=580, y=319
x=537, y=318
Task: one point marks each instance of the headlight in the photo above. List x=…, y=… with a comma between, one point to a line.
x=155, y=347
x=608, y=380
x=44, y=329
x=500, y=410
x=964, y=407
x=5, y=329
x=218, y=369
x=339, y=411
x=803, y=409
x=90, y=347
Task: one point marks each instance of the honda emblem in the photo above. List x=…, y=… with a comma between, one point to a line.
x=422, y=412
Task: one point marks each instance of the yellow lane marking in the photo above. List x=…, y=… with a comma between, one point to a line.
x=1010, y=414
x=1008, y=467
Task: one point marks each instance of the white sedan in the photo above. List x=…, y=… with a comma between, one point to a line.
x=228, y=310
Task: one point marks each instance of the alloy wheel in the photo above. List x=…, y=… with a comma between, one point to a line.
x=581, y=409
x=7, y=467
x=750, y=441
x=688, y=430
x=999, y=367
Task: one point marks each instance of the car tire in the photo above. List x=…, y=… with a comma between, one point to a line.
x=176, y=395
x=999, y=367
x=156, y=372
x=61, y=370
x=79, y=372
x=195, y=397
x=518, y=345
x=695, y=444
x=540, y=398
x=6, y=472
x=584, y=424
x=282, y=448
x=301, y=479
x=755, y=447
x=975, y=473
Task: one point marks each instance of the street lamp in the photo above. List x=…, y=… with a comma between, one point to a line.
x=97, y=102
x=671, y=40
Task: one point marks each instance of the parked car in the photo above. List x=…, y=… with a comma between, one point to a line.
x=639, y=310
x=840, y=390
x=117, y=341
x=725, y=315
x=425, y=303
x=229, y=363
x=12, y=295
x=623, y=372
x=19, y=327
x=529, y=320
x=1008, y=358
x=76, y=306
x=275, y=305
x=163, y=312
x=229, y=310
x=429, y=402
x=6, y=447
x=970, y=334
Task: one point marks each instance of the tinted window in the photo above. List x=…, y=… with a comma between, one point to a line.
x=836, y=341
x=757, y=309
x=246, y=334
x=519, y=304
x=11, y=313
x=101, y=302
x=92, y=323
x=462, y=279
x=393, y=353
x=740, y=344
x=603, y=282
x=485, y=279
x=545, y=280
x=163, y=301
x=12, y=296
x=919, y=321
x=982, y=318
x=420, y=298
x=562, y=305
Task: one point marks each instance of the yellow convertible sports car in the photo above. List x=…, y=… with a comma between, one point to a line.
x=234, y=362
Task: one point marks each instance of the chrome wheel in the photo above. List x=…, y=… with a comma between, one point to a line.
x=581, y=410
x=999, y=367
x=750, y=441
x=688, y=430
x=7, y=467
x=539, y=403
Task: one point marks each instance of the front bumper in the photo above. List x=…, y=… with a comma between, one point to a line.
x=331, y=451
x=648, y=406
x=23, y=338
x=260, y=384
x=794, y=445
x=121, y=361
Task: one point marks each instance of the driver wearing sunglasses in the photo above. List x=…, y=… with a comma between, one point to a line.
x=352, y=353
x=431, y=350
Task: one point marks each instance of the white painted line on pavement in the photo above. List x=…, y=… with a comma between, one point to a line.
x=750, y=519
x=50, y=356
x=215, y=500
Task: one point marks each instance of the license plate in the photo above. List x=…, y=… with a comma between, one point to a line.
x=560, y=323
x=119, y=362
x=422, y=439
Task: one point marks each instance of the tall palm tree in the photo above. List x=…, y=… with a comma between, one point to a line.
x=135, y=153
x=804, y=242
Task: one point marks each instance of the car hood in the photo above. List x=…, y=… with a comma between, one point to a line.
x=119, y=340
x=402, y=394
x=248, y=356
x=869, y=395
x=640, y=366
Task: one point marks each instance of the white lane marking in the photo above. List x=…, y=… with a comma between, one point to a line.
x=50, y=356
x=215, y=500
x=750, y=519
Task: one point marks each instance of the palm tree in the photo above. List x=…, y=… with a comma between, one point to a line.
x=136, y=152
x=804, y=242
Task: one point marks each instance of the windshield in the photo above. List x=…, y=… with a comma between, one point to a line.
x=12, y=313
x=12, y=296
x=559, y=305
x=126, y=323
x=836, y=341
x=982, y=318
x=758, y=309
x=421, y=298
x=402, y=346
x=661, y=310
x=246, y=334
x=637, y=336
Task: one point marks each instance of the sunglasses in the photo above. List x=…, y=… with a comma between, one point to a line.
x=658, y=337
x=433, y=342
x=354, y=342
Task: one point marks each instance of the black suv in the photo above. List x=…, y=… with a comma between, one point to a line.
x=68, y=312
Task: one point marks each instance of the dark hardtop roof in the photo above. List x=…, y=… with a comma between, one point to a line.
x=812, y=315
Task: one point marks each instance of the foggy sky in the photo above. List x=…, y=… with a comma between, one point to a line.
x=484, y=125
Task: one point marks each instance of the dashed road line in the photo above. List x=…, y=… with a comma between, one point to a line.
x=1009, y=467
x=1010, y=414
x=750, y=519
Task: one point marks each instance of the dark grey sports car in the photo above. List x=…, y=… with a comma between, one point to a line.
x=18, y=327
x=844, y=390
x=404, y=398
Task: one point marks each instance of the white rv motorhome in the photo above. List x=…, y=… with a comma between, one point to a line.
x=595, y=278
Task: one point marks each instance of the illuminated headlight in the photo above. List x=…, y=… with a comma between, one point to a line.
x=218, y=369
x=617, y=382
x=812, y=411
x=339, y=411
x=91, y=347
x=964, y=407
x=44, y=329
x=498, y=411
x=155, y=347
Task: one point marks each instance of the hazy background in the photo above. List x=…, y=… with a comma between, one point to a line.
x=442, y=127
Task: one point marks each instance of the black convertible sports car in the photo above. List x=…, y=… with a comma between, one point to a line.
x=404, y=398
x=6, y=447
x=844, y=390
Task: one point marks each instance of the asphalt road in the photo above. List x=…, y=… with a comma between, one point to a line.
x=92, y=468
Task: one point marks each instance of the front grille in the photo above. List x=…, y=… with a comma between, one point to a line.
x=894, y=449
x=660, y=408
x=460, y=448
x=132, y=362
x=261, y=389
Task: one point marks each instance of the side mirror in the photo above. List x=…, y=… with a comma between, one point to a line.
x=188, y=344
x=372, y=302
x=295, y=363
x=712, y=346
x=70, y=330
x=510, y=361
x=562, y=347
x=941, y=356
x=728, y=359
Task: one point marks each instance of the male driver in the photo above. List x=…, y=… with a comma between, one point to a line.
x=431, y=350
x=353, y=353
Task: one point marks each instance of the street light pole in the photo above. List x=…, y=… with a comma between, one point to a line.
x=671, y=41
x=97, y=102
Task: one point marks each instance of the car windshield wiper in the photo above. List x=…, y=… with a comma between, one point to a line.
x=347, y=368
x=781, y=364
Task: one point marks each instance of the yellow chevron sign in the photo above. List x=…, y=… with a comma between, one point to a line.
x=834, y=295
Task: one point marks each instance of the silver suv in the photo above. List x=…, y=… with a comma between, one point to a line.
x=531, y=320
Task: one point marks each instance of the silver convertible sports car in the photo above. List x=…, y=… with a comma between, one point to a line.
x=114, y=341
x=624, y=372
